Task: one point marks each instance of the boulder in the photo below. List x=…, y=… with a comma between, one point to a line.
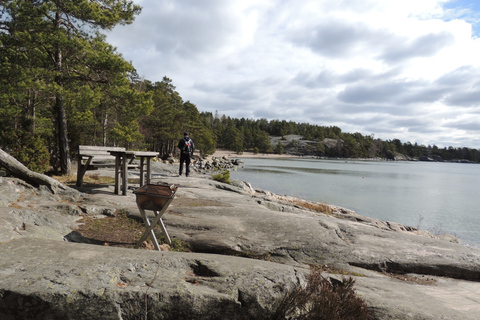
x=332, y=143
x=402, y=157
x=237, y=162
x=213, y=164
x=426, y=158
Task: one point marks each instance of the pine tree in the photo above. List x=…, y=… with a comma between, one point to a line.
x=60, y=43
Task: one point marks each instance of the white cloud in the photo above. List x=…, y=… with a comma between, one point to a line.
x=398, y=69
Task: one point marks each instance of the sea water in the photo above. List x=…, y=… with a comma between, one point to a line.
x=439, y=197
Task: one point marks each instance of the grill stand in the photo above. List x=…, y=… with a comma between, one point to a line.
x=155, y=198
x=150, y=225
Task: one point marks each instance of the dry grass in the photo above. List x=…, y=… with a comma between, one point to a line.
x=91, y=179
x=323, y=298
x=423, y=280
x=122, y=230
x=88, y=178
x=314, y=206
x=334, y=270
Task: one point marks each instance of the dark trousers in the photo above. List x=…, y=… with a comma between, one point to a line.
x=184, y=158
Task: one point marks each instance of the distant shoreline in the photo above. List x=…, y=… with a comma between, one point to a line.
x=219, y=153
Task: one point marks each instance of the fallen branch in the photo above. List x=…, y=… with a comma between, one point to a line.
x=18, y=170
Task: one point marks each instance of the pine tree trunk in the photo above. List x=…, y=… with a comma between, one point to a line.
x=64, y=148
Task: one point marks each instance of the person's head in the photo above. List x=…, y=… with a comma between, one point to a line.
x=185, y=134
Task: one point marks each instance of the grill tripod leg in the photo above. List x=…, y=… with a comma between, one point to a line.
x=149, y=231
x=164, y=230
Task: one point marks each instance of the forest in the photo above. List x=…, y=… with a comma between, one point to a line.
x=253, y=135
x=62, y=85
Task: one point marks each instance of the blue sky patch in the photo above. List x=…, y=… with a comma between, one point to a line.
x=468, y=10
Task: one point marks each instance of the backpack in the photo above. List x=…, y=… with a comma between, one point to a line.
x=187, y=147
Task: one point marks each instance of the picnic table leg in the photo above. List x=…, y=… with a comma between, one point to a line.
x=125, y=173
x=81, y=169
x=149, y=170
x=117, y=172
x=142, y=160
x=148, y=232
x=80, y=172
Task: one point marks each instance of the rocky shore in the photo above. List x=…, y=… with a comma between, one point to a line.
x=249, y=248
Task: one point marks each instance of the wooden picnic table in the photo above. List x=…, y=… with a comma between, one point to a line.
x=122, y=159
x=93, y=158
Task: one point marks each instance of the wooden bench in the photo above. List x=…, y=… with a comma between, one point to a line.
x=95, y=157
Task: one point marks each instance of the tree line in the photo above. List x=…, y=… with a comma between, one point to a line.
x=328, y=141
x=62, y=85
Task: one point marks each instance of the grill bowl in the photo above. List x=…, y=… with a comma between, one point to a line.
x=154, y=196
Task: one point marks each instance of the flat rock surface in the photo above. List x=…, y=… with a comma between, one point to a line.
x=220, y=220
x=95, y=282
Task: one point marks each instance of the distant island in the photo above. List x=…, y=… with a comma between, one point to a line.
x=334, y=148
x=303, y=139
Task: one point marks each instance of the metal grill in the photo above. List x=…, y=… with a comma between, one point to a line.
x=155, y=196
x=163, y=190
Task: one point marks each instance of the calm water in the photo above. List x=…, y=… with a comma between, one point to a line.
x=439, y=197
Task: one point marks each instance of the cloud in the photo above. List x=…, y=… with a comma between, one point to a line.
x=380, y=93
x=423, y=46
x=397, y=69
x=458, y=77
x=465, y=124
x=336, y=38
x=328, y=78
x=464, y=98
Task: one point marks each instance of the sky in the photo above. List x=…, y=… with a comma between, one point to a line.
x=407, y=70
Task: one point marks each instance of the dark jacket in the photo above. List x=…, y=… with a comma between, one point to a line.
x=182, y=142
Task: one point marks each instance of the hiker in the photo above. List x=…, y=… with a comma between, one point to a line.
x=186, y=147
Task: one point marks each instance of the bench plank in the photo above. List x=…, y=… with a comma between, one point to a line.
x=85, y=149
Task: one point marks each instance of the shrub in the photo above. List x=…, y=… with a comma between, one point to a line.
x=279, y=148
x=223, y=176
x=32, y=152
x=323, y=299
